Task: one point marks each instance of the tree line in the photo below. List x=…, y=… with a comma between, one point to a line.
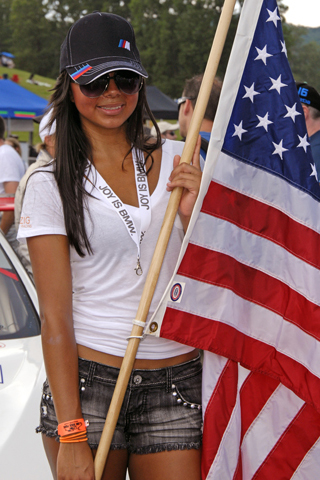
x=174, y=36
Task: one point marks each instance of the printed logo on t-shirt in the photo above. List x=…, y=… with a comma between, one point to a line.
x=25, y=222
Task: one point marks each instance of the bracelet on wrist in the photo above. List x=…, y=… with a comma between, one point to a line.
x=74, y=438
x=73, y=431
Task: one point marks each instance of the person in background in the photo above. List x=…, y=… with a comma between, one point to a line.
x=92, y=219
x=12, y=169
x=310, y=100
x=14, y=142
x=167, y=130
x=186, y=106
x=45, y=155
x=146, y=127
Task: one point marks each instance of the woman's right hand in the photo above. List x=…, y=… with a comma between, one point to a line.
x=75, y=462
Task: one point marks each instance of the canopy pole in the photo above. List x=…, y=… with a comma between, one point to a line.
x=165, y=232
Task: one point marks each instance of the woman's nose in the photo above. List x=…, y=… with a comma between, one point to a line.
x=112, y=87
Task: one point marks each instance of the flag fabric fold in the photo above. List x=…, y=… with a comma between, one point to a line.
x=246, y=285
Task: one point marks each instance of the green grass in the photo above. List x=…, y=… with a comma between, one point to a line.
x=41, y=90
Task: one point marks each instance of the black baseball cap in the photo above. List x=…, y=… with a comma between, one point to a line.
x=99, y=43
x=308, y=95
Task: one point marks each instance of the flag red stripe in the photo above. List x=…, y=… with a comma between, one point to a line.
x=217, y=414
x=251, y=284
x=253, y=354
x=263, y=220
x=296, y=441
x=238, y=473
x=254, y=394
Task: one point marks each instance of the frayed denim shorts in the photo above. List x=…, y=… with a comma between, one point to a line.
x=161, y=409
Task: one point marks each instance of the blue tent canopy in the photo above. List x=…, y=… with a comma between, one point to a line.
x=7, y=54
x=17, y=102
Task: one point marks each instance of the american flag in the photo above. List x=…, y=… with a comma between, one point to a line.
x=246, y=289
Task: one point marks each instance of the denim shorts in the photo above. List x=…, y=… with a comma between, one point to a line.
x=161, y=409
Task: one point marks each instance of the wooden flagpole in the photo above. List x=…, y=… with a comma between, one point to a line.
x=161, y=246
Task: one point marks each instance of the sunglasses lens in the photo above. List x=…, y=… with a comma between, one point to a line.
x=128, y=82
x=94, y=89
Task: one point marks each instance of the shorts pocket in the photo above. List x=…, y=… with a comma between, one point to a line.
x=188, y=392
x=47, y=407
x=48, y=421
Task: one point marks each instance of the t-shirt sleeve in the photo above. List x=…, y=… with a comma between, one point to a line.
x=42, y=212
x=10, y=167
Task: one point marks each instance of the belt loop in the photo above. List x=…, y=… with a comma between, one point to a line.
x=92, y=369
x=168, y=379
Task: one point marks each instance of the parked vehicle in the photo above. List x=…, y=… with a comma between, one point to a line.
x=22, y=372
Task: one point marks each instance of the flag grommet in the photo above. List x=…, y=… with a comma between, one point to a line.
x=153, y=327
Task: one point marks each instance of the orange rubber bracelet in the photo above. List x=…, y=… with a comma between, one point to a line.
x=76, y=435
x=67, y=440
x=73, y=426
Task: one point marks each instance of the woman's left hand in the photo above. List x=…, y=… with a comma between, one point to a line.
x=189, y=178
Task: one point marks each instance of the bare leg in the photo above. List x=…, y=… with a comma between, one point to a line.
x=116, y=465
x=174, y=465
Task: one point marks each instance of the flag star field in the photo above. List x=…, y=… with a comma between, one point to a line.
x=267, y=128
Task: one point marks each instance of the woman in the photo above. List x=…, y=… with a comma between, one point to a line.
x=92, y=222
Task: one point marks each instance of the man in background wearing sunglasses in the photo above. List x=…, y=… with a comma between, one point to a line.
x=310, y=100
x=186, y=106
x=167, y=130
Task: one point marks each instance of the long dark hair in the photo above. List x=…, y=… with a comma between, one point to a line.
x=72, y=151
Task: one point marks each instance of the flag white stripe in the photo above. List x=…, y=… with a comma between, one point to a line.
x=309, y=468
x=267, y=428
x=251, y=319
x=216, y=234
x=269, y=189
x=213, y=366
x=226, y=459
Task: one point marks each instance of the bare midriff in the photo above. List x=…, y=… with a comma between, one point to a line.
x=114, y=361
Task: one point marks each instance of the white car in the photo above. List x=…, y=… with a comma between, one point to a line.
x=22, y=373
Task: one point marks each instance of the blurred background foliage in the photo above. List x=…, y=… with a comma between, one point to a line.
x=174, y=37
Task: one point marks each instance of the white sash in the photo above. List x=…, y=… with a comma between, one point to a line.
x=108, y=196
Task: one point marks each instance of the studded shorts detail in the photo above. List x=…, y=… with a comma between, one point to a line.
x=161, y=409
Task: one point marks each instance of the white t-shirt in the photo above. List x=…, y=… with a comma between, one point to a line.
x=12, y=167
x=106, y=288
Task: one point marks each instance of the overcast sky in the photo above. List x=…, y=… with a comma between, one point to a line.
x=303, y=12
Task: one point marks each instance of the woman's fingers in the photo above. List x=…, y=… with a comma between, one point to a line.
x=195, y=157
x=196, y=154
x=186, y=176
